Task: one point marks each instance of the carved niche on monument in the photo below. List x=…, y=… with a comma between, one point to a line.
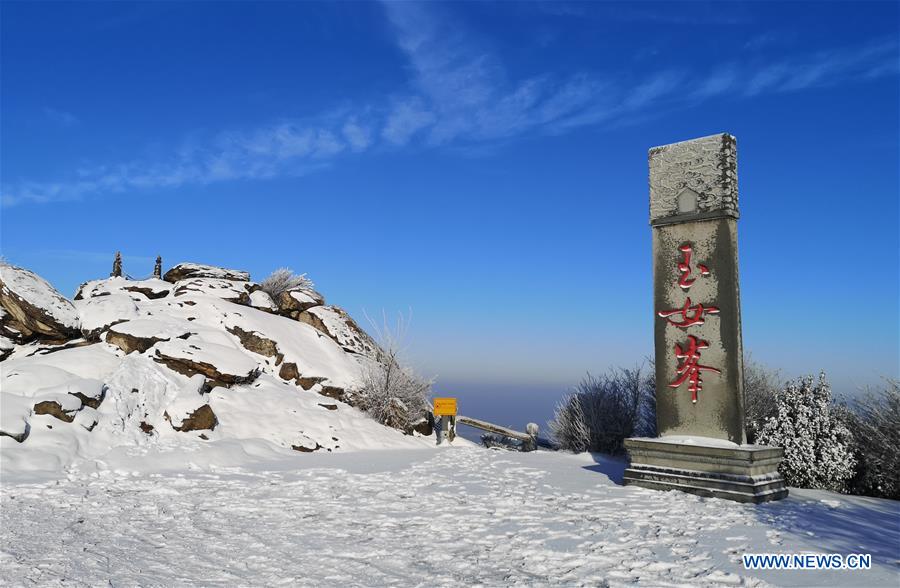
x=699, y=383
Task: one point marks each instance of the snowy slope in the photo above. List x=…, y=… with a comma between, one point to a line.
x=161, y=367
x=449, y=516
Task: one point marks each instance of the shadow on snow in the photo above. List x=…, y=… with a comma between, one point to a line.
x=856, y=525
x=612, y=466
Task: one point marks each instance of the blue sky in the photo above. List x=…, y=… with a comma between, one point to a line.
x=482, y=164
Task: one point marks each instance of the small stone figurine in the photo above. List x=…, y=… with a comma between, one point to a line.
x=117, y=266
x=157, y=269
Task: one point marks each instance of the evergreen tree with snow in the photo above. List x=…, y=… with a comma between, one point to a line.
x=817, y=444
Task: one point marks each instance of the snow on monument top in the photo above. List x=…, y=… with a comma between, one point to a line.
x=694, y=178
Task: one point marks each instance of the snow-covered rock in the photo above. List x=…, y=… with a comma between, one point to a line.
x=60, y=406
x=209, y=358
x=100, y=313
x=190, y=410
x=293, y=302
x=183, y=271
x=142, y=334
x=151, y=289
x=6, y=347
x=33, y=308
x=343, y=330
x=224, y=365
x=231, y=290
x=261, y=300
x=15, y=411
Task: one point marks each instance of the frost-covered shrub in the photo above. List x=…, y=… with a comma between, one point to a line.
x=604, y=411
x=760, y=391
x=818, y=446
x=874, y=421
x=568, y=427
x=392, y=393
x=282, y=280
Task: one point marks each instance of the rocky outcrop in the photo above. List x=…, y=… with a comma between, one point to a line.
x=261, y=300
x=54, y=409
x=341, y=328
x=19, y=436
x=130, y=343
x=294, y=302
x=200, y=420
x=289, y=371
x=152, y=289
x=34, y=309
x=232, y=291
x=222, y=366
x=255, y=342
x=90, y=392
x=337, y=393
x=424, y=426
x=306, y=445
x=7, y=346
x=190, y=367
x=67, y=401
x=142, y=334
x=190, y=409
x=147, y=335
x=184, y=271
x=148, y=291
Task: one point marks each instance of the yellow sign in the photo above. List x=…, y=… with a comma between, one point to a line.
x=445, y=407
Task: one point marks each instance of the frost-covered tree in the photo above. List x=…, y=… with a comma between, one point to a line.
x=283, y=280
x=604, y=411
x=818, y=446
x=760, y=391
x=568, y=428
x=391, y=392
x=874, y=420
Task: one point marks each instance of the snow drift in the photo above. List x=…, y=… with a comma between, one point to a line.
x=158, y=365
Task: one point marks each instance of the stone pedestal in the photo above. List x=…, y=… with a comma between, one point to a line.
x=706, y=467
x=697, y=331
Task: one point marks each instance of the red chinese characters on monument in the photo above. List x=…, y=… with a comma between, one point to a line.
x=695, y=318
x=685, y=267
x=688, y=354
x=690, y=368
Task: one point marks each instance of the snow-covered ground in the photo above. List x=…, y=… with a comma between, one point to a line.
x=196, y=431
x=225, y=514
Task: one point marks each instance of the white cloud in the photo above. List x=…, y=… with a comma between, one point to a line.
x=721, y=80
x=406, y=118
x=459, y=94
x=652, y=89
x=357, y=136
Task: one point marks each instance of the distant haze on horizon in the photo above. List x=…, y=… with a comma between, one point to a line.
x=479, y=167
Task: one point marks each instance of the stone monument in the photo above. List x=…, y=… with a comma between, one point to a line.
x=702, y=445
x=157, y=268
